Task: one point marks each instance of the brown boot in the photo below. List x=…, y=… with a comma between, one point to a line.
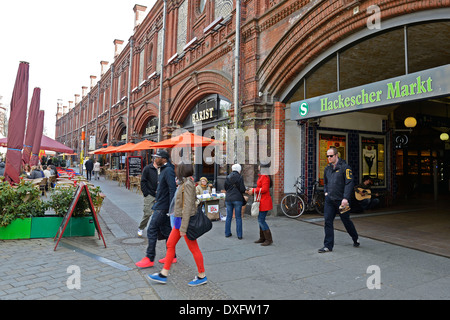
x=268, y=237
x=261, y=237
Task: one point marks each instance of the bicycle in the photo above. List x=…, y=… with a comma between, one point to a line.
x=294, y=205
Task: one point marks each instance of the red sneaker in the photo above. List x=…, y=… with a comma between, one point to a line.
x=145, y=263
x=163, y=260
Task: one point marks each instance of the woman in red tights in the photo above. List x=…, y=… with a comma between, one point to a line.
x=185, y=208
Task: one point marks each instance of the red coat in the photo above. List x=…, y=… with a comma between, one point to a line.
x=263, y=184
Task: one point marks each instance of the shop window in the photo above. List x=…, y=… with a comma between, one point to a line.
x=327, y=140
x=372, y=157
x=222, y=8
x=182, y=26
x=378, y=58
x=428, y=45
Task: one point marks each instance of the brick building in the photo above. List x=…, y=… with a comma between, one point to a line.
x=311, y=70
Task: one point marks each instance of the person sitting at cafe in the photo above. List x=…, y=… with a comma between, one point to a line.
x=36, y=173
x=201, y=187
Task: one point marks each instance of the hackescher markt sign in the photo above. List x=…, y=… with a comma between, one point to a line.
x=415, y=86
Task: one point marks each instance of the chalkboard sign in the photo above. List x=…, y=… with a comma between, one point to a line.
x=134, y=165
x=81, y=187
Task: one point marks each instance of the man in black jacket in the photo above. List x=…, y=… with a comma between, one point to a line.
x=338, y=188
x=149, y=183
x=89, y=164
x=160, y=221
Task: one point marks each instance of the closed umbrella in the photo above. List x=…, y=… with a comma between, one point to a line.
x=37, y=139
x=16, y=124
x=33, y=114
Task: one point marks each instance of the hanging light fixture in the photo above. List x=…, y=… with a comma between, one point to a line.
x=444, y=136
x=410, y=122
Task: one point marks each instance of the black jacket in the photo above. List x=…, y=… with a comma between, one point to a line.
x=166, y=187
x=338, y=181
x=89, y=165
x=149, y=180
x=234, y=186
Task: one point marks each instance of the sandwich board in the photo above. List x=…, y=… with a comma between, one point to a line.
x=81, y=187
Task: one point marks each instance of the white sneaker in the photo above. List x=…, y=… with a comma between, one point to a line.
x=140, y=232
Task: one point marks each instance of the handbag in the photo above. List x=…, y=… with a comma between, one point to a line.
x=255, y=205
x=199, y=224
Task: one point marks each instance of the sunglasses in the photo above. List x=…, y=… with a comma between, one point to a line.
x=330, y=156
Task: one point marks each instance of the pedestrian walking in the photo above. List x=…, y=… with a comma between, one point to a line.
x=234, y=187
x=262, y=190
x=160, y=221
x=96, y=170
x=89, y=164
x=185, y=208
x=149, y=183
x=338, y=188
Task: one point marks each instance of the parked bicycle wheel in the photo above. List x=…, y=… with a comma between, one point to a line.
x=292, y=206
x=319, y=203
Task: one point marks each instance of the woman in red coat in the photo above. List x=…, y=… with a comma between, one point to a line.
x=263, y=187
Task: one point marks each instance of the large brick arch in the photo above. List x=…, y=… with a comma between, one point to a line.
x=320, y=26
x=198, y=85
x=143, y=114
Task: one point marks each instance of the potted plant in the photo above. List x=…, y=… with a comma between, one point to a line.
x=18, y=204
x=81, y=222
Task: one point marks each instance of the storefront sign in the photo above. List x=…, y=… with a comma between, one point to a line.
x=151, y=129
x=415, y=86
x=201, y=115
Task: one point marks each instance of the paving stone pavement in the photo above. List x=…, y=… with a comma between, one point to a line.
x=290, y=269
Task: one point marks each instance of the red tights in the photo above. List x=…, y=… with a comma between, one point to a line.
x=192, y=245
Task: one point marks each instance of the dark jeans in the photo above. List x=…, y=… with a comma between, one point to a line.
x=368, y=204
x=88, y=174
x=331, y=210
x=159, y=221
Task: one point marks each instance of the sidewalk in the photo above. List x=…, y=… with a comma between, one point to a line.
x=289, y=269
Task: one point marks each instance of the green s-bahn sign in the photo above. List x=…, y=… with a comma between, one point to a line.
x=415, y=86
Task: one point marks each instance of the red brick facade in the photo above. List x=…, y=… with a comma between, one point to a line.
x=279, y=39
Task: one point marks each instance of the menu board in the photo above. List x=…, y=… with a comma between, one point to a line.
x=134, y=165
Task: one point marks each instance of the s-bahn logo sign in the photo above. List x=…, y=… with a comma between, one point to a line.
x=415, y=86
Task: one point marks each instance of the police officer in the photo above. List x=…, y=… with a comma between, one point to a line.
x=338, y=187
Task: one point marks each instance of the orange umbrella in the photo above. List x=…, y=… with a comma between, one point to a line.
x=104, y=150
x=125, y=148
x=186, y=139
x=143, y=145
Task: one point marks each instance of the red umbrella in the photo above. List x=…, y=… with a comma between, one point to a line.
x=16, y=124
x=37, y=139
x=33, y=114
x=46, y=144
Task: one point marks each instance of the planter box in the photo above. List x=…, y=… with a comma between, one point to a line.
x=47, y=227
x=18, y=229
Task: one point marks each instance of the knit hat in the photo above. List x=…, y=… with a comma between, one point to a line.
x=203, y=178
x=236, y=167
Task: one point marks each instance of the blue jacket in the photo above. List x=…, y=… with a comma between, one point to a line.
x=166, y=187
